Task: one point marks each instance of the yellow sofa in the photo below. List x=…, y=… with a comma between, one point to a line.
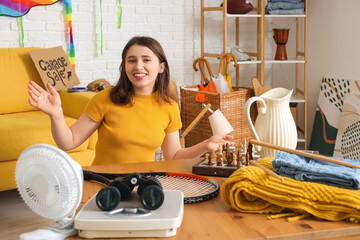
x=21, y=125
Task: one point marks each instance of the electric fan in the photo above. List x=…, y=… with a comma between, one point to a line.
x=50, y=182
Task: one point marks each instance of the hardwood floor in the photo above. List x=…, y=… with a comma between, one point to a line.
x=16, y=217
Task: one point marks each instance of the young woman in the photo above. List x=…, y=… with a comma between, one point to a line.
x=134, y=118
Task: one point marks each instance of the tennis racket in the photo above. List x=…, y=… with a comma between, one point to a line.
x=194, y=187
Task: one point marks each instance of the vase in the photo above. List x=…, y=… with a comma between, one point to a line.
x=274, y=123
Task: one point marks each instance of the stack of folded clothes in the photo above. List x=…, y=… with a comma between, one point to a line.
x=311, y=170
x=285, y=7
x=251, y=190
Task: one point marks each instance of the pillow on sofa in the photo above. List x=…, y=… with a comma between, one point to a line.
x=19, y=131
x=16, y=69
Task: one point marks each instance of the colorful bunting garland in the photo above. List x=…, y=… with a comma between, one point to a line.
x=19, y=8
x=101, y=24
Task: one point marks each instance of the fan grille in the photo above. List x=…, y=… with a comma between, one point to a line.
x=49, y=181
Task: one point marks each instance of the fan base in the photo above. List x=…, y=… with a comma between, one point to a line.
x=45, y=234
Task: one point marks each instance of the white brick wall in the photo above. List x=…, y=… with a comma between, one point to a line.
x=174, y=23
x=170, y=22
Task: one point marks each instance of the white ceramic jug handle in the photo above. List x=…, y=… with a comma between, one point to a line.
x=261, y=110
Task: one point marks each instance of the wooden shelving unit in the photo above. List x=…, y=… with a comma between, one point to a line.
x=300, y=93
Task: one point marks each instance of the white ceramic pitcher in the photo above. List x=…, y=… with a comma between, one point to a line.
x=274, y=123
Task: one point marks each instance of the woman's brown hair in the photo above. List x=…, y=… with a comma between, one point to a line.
x=123, y=92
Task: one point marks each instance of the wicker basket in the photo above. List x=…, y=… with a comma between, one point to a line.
x=231, y=104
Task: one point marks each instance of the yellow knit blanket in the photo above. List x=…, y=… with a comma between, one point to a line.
x=251, y=190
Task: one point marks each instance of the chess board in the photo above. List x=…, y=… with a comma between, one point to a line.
x=225, y=160
x=203, y=168
x=221, y=171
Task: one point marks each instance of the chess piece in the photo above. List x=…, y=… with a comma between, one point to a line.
x=250, y=150
x=237, y=148
x=224, y=156
x=227, y=149
x=247, y=159
x=239, y=160
x=219, y=159
x=213, y=158
x=220, y=152
x=207, y=155
x=229, y=160
x=234, y=163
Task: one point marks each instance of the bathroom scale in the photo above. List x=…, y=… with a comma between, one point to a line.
x=130, y=219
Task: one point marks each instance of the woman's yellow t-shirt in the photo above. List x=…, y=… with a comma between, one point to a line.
x=129, y=134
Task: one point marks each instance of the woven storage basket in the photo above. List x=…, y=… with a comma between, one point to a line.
x=231, y=104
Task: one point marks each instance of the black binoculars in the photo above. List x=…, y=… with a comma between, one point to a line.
x=149, y=190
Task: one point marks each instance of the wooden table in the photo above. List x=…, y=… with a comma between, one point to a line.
x=214, y=220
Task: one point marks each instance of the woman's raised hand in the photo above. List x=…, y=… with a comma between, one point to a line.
x=215, y=141
x=48, y=102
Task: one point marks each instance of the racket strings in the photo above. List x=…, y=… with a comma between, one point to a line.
x=190, y=187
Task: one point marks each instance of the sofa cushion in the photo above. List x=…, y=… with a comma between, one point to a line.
x=19, y=131
x=16, y=69
x=80, y=98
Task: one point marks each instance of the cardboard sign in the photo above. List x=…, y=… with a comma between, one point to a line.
x=54, y=67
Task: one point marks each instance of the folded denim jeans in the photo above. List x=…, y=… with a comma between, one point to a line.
x=310, y=170
x=289, y=1
x=287, y=12
x=283, y=6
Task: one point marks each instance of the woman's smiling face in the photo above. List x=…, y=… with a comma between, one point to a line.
x=142, y=67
